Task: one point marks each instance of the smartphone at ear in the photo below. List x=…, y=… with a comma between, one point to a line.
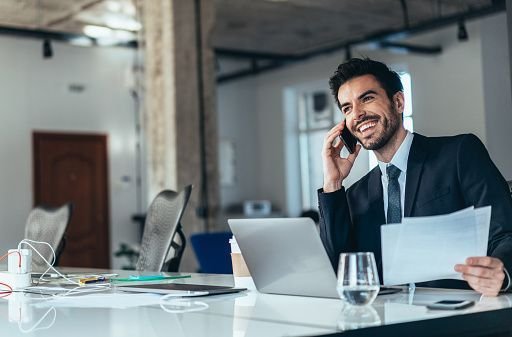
x=348, y=139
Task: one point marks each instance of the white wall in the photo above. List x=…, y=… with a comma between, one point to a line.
x=238, y=124
x=448, y=98
x=34, y=95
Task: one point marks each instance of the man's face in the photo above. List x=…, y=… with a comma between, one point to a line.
x=370, y=116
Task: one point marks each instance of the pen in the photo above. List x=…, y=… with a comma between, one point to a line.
x=90, y=280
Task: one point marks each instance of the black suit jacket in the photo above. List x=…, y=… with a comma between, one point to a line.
x=444, y=174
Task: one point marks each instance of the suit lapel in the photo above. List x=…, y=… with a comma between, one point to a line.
x=375, y=196
x=415, y=164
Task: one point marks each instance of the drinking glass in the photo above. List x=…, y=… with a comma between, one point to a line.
x=358, y=279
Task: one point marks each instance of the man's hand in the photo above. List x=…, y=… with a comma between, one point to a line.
x=336, y=168
x=484, y=274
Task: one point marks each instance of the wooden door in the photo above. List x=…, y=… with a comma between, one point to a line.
x=73, y=168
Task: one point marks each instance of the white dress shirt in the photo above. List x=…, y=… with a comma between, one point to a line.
x=399, y=160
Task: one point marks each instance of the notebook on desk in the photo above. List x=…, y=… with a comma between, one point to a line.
x=286, y=256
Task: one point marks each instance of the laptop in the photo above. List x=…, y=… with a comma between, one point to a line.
x=285, y=256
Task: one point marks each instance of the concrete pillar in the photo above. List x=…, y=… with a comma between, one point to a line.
x=180, y=105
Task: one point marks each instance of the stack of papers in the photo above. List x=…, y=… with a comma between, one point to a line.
x=427, y=248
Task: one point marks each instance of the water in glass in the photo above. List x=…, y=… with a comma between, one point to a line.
x=358, y=280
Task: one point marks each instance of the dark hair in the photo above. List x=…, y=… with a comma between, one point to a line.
x=355, y=67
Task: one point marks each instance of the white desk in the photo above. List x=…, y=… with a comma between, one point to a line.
x=253, y=314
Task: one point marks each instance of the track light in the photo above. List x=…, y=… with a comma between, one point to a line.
x=462, y=33
x=348, y=53
x=47, y=49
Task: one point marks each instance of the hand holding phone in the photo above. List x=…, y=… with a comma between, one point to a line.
x=348, y=139
x=450, y=305
x=335, y=167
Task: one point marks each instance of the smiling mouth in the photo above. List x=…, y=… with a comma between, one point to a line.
x=367, y=126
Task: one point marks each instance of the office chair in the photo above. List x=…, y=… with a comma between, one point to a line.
x=213, y=252
x=160, y=229
x=48, y=225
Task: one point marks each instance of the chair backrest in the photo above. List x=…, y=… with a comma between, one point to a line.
x=510, y=186
x=213, y=252
x=47, y=225
x=162, y=222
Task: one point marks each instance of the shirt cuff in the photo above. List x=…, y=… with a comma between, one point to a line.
x=507, y=276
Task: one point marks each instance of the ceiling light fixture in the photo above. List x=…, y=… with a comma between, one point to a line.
x=348, y=53
x=97, y=32
x=47, y=49
x=81, y=41
x=462, y=33
x=105, y=36
x=113, y=6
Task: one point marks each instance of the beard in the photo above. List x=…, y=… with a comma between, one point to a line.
x=390, y=125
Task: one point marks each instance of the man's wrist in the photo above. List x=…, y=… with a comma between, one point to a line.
x=332, y=186
x=506, y=282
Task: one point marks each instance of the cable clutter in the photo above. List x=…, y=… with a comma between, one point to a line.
x=18, y=276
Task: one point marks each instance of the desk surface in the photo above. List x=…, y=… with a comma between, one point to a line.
x=253, y=314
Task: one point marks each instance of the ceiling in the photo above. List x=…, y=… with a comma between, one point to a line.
x=273, y=27
x=253, y=36
x=298, y=27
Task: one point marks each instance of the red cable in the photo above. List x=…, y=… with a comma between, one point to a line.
x=6, y=292
x=17, y=252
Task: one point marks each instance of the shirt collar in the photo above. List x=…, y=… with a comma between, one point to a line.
x=401, y=156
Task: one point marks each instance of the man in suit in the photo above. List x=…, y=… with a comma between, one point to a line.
x=416, y=176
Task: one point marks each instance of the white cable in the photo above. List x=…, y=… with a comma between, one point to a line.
x=35, y=326
x=85, y=289
x=51, y=267
x=181, y=305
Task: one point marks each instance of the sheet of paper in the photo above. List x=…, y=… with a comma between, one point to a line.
x=427, y=248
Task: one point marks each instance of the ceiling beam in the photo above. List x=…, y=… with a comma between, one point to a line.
x=412, y=48
x=70, y=15
x=56, y=36
x=253, y=69
x=247, y=54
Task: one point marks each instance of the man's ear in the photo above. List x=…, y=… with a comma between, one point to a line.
x=399, y=101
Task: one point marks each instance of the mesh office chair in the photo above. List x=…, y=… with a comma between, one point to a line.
x=48, y=225
x=160, y=229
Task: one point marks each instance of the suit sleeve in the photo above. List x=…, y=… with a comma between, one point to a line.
x=483, y=185
x=335, y=224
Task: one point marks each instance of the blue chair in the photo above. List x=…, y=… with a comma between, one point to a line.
x=213, y=252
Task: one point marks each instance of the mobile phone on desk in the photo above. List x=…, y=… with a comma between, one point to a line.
x=348, y=139
x=450, y=305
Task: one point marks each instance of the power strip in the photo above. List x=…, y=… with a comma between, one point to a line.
x=15, y=281
x=18, y=271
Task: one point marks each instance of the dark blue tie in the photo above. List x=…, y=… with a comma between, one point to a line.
x=394, y=205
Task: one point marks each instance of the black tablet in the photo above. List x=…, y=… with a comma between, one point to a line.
x=180, y=289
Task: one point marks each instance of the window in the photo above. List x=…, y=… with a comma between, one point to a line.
x=316, y=116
